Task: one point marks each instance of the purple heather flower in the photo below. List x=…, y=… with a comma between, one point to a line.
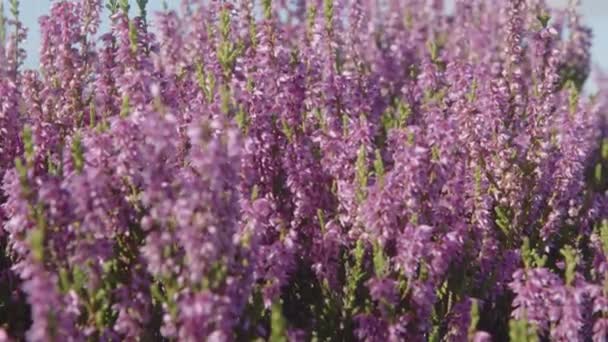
x=372, y=166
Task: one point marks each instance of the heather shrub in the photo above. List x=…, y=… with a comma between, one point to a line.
x=324, y=170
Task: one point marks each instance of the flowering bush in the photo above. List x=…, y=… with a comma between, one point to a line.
x=305, y=170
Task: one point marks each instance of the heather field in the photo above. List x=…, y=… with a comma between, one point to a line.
x=303, y=170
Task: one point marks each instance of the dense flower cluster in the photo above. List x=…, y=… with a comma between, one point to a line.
x=303, y=170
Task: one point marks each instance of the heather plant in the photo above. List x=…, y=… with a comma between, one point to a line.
x=322, y=170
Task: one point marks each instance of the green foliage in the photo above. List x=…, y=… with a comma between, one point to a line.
x=321, y=219
x=311, y=15
x=216, y=276
x=225, y=99
x=255, y=192
x=278, y=324
x=361, y=173
x=242, y=120
x=433, y=49
x=115, y=5
x=2, y=25
x=253, y=33
x=125, y=107
x=141, y=4
x=92, y=114
x=474, y=314
x=52, y=167
x=379, y=167
x=503, y=220
x=227, y=50
x=15, y=8
x=22, y=172
x=530, y=257
x=573, y=95
x=124, y=6
x=267, y=8
x=77, y=153
x=36, y=236
x=544, y=18
x=112, y=6
x=604, y=235
x=206, y=82
x=477, y=176
x=571, y=259
x=472, y=94
x=396, y=116
x=328, y=13
x=521, y=331
x=570, y=74
x=380, y=261
x=133, y=37
x=354, y=276
x=598, y=173
x=28, y=145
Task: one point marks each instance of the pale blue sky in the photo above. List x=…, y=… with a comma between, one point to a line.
x=595, y=14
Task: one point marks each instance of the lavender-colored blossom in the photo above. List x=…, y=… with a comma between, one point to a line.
x=297, y=170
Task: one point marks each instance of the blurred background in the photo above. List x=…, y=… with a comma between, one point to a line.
x=595, y=14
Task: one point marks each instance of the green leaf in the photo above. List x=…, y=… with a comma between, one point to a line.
x=571, y=259
x=142, y=8
x=79, y=277
x=502, y=220
x=598, y=173
x=255, y=192
x=242, y=120
x=472, y=95
x=15, y=9
x=22, y=171
x=328, y=13
x=77, y=153
x=404, y=111
x=526, y=253
x=157, y=294
x=521, y=331
x=544, y=18
x=267, y=8
x=433, y=49
x=435, y=153
x=379, y=167
x=36, y=236
x=133, y=37
x=278, y=325
x=64, y=280
x=530, y=256
x=474, y=313
x=321, y=218
x=354, y=273
x=124, y=6
x=411, y=138
x=28, y=145
x=112, y=6
x=380, y=262
x=361, y=173
x=226, y=98
x=92, y=114
x=2, y=24
x=604, y=235
x=288, y=130
x=573, y=96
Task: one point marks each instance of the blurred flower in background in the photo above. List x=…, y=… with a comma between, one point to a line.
x=595, y=13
